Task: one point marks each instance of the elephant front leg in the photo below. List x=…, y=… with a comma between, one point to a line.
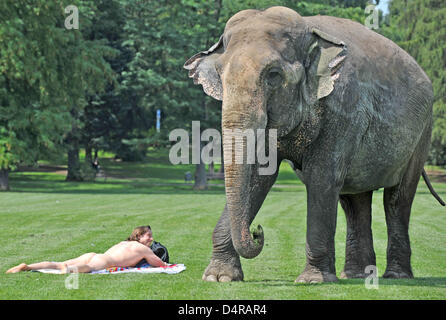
x=321, y=227
x=225, y=263
x=359, y=253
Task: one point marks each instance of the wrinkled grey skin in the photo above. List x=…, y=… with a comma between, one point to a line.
x=353, y=113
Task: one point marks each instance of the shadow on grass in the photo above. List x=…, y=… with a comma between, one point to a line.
x=112, y=188
x=50, y=183
x=155, y=175
x=438, y=282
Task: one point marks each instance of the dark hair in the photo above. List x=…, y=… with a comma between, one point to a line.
x=138, y=232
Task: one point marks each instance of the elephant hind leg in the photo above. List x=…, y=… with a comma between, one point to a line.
x=359, y=252
x=397, y=204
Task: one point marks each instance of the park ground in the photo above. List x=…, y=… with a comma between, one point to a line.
x=45, y=218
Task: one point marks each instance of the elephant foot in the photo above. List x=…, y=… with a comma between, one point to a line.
x=393, y=274
x=356, y=271
x=223, y=271
x=351, y=274
x=316, y=276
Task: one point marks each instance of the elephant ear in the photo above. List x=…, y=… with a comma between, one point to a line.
x=327, y=63
x=201, y=68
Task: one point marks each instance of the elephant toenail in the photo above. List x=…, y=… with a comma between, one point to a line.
x=211, y=278
x=224, y=279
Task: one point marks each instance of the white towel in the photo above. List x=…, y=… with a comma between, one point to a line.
x=146, y=268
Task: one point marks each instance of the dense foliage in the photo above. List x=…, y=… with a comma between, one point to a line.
x=46, y=72
x=99, y=87
x=419, y=27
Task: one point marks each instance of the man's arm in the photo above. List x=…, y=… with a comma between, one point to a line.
x=152, y=258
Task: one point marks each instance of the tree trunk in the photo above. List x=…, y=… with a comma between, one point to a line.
x=4, y=179
x=200, y=177
x=74, y=168
x=88, y=156
x=200, y=174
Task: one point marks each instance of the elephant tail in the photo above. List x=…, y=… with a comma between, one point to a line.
x=431, y=189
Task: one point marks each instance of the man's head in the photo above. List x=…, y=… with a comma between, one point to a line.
x=143, y=235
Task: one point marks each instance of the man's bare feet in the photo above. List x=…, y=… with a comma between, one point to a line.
x=20, y=267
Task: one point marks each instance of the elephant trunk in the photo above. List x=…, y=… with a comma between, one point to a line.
x=241, y=172
x=240, y=212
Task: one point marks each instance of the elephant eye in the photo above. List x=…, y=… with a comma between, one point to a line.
x=274, y=79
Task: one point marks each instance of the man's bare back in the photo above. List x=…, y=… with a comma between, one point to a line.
x=129, y=253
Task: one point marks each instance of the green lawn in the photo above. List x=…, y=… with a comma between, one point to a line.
x=45, y=218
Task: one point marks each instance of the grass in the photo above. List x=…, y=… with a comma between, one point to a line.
x=45, y=218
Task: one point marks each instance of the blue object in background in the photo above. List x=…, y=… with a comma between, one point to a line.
x=158, y=120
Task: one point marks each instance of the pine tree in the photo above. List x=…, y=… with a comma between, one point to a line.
x=419, y=27
x=46, y=71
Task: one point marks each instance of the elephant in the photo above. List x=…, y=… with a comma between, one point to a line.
x=353, y=114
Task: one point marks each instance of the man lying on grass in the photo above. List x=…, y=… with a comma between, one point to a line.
x=124, y=254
